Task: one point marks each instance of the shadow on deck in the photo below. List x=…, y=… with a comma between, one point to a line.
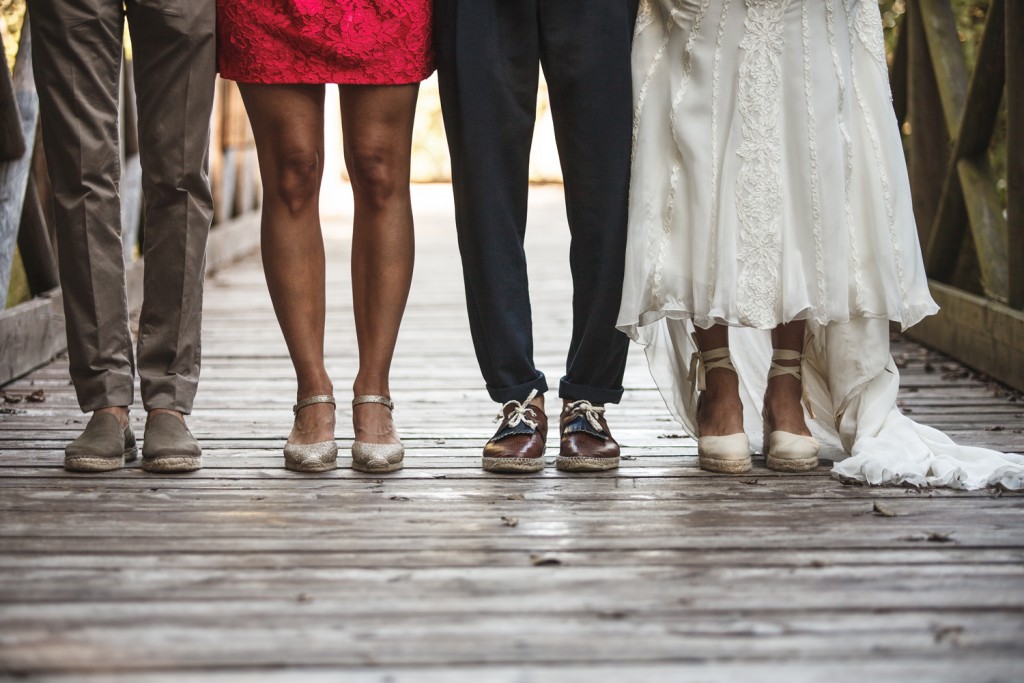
x=244, y=571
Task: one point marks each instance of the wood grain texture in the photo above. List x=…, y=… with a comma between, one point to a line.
x=244, y=571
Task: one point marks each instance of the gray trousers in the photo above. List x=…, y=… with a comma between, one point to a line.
x=77, y=51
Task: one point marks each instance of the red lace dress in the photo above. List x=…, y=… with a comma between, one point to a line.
x=369, y=42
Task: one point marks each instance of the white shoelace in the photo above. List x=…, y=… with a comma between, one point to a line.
x=589, y=411
x=520, y=412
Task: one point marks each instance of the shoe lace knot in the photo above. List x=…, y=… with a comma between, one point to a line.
x=520, y=413
x=588, y=410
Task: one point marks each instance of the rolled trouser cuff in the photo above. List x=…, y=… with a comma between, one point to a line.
x=581, y=392
x=520, y=391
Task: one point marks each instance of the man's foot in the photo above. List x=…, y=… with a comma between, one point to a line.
x=586, y=444
x=168, y=445
x=518, y=445
x=106, y=444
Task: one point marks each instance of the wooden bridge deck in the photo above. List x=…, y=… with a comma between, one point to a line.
x=659, y=571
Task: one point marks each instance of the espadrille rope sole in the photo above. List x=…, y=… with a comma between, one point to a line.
x=791, y=464
x=375, y=468
x=585, y=464
x=99, y=463
x=513, y=465
x=173, y=463
x=724, y=466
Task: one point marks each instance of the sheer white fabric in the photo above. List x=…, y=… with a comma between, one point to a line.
x=769, y=185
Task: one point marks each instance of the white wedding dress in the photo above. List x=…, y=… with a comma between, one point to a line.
x=769, y=185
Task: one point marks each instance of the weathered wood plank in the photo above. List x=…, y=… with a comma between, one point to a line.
x=31, y=333
x=966, y=667
x=984, y=334
x=246, y=569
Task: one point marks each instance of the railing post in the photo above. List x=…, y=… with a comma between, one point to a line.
x=12, y=142
x=929, y=141
x=1015, y=149
x=14, y=174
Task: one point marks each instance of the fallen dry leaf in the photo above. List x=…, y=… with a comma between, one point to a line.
x=882, y=511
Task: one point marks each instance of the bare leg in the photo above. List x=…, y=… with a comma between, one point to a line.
x=377, y=122
x=288, y=124
x=782, y=400
x=721, y=411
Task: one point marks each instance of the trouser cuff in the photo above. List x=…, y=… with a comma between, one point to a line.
x=581, y=392
x=520, y=391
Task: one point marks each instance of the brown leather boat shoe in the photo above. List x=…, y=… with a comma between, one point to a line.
x=518, y=445
x=586, y=444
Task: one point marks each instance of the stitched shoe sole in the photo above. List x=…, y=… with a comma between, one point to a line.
x=374, y=468
x=513, y=465
x=310, y=465
x=98, y=463
x=314, y=457
x=791, y=464
x=377, y=458
x=725, y=466
x=584, y=464
x=172, y=463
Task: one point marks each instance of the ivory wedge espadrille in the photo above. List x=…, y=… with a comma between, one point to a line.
x=729, y=453
x=785, y=451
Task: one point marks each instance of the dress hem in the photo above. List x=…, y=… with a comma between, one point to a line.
x=246, y=79
x=633, y=329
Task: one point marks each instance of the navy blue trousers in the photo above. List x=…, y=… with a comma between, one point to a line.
x=489, y=55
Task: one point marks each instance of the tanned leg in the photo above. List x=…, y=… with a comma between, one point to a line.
x=288, y=125
x=721, y=411
x=782, y=400
x=377, y=123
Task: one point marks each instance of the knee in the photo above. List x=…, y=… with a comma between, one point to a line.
x=377, y=178
x=298, y=179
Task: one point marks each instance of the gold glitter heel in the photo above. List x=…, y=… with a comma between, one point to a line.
x=313, y=457
x=376, y=458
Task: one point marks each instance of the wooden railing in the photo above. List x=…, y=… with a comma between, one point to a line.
x=973, y=240
x=31, y=333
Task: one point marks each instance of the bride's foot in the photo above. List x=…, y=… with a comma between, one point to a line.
x=722, y=445
x=376, y=447
x=788, y=444
x=311, y=446
x=720, y=411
